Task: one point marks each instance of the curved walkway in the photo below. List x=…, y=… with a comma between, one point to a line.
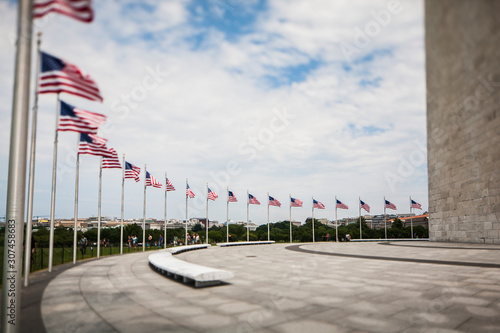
x=300, y=248
x=277, y=290
x=488, y=247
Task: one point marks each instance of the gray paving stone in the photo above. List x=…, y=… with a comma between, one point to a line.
x=183, y=311
x=335, y=316
x=470, y=301
x=282, y=291
x=153, y=323
x=237, y=307
x=210, y=322
x=301, y=326
x=375, y=324
x=285, y=304
x=212, y=301
x=265, y=317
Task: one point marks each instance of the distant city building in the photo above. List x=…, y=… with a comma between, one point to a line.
x=251, y=226
x=422, y=220
x=377, y=221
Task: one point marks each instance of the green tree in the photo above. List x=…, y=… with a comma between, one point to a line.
x=198, y=227
x=238, y=232
x=131, y=230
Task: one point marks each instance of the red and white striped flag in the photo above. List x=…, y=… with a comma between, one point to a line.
x=231, y=197
x=78, y=120
x=341, y=205
x=253, y=200
x=415, y=204
x=132, y=171
x=318, y=205
x=169, y=186
x=189, y=193
x=364, y=205
x=152, y=181
x=390, y=205
x=295, y=202
x=211, y=195
x=93, y=145
x=80, y=10
x=59, y=76
x=111, y=162
x=274, y=202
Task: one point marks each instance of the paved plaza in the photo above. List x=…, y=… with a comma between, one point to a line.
x=322, y=287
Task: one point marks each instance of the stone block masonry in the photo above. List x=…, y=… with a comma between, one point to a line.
x=463, y=121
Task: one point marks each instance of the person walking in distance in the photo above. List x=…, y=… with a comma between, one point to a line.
x=83, y=245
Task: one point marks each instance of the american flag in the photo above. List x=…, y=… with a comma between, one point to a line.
x=152, y=181
x=364, y=205
x=111, y=162
x=318, y=205
x=169, y=186
x=189, y=193
x=231, y=197
x=415, y=204
x=390, y=205
x=80, y=10
x=274, y=202
x=211, y=195
x=341, y=205
x=132, y=171
x=253, y=200
x=59, y=76
x=98, y=139
x=78, y=120
x=93, y=145
x=295, y=202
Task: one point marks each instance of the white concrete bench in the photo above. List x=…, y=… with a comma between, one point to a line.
x=245, y=243
x=202, y=276
x=180, y=249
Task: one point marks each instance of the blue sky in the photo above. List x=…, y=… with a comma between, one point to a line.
x=256, y=95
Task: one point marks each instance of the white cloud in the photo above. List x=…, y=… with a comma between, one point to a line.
x=218, y=97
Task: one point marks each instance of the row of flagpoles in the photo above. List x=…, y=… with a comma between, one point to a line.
x=66, y=78
x=56, y=76
x=294, y=202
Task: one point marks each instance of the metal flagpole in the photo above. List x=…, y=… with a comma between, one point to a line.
x=385, y=221
x=99, y=213
x=122, y=207
x=165, y=216
x=31, y=181
x=186, y=225
x=227, y=216
x=268, y=238
x=360, y=229
x=290, y=217
x=16, y=186
x=336, y=222
x=53, y=195
x=144, y=213
x=77, y=180
x=206, y=222
x=411, y=219
x=248, y=204
x=313, y=220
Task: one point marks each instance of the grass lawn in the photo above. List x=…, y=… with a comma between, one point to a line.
x=64, y=255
